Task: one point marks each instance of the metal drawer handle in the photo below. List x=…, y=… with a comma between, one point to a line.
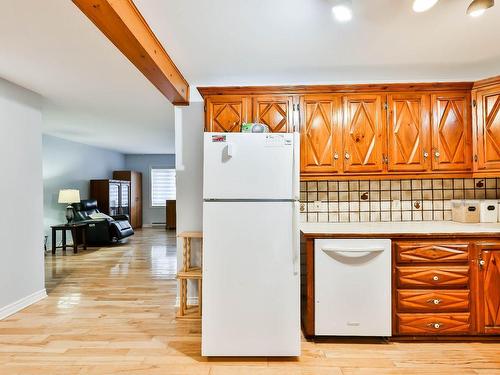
x=435, y=278
x=336, y=156
x=347, y=156
x=434, y=301
x=436, y=325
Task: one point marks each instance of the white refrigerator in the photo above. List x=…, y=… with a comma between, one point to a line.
x=251, y=278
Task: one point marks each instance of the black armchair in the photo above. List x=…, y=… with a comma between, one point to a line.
x=101, y=231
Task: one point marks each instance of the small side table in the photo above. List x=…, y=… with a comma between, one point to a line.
x=76, y=229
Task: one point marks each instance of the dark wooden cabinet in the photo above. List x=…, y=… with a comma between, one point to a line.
x=487, y=141
x=113, y=196
x=321, y=134
x=408, y=137
x=171, y=214
x=363, y=133
x=135, y=179
x=451, y=132
x=488, y=296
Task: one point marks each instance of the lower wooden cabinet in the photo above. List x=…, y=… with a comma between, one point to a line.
x=446, y=287
x=433, y=301
x=434, y=324
x=488, y=296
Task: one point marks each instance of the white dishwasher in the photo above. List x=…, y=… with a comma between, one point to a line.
x=352, y=281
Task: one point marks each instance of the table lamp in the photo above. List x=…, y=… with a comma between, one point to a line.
x=69, y=196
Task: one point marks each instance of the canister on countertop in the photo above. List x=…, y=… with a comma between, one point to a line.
x=465, y=211
x=488, y=211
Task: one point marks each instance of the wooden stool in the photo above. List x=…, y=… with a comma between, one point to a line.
x=186, y=273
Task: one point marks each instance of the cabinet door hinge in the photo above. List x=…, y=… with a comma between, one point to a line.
x=474, y=103
x=386, y=106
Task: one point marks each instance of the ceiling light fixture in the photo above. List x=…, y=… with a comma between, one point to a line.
x=342, y=10
x=420, y=6
x=478, y=7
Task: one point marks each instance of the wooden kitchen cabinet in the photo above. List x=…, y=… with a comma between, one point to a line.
x=408, y=138
x=363, y=133
x=321, y=134
x=412, y=130
x=226, y=113
x=488, y=294
x=487, y=142
x=276, y=111
x=451, y=132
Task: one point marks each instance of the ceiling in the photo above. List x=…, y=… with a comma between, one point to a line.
x=241, y=42
x=92, y=93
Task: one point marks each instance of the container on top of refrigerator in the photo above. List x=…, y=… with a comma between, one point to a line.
x=254, y=128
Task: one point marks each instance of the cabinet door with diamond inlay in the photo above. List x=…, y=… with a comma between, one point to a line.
x=409, y=137
x=225, y=113
x=276, y=111
x=321, y=136
x=451, y=132
x=363, y=128
x=488, y=129
x=489, y=289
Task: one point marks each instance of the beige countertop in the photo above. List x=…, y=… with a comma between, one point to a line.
x=414, y=227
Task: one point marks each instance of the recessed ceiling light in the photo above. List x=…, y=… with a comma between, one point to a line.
x=420, y=6
x=342, y=10
x=478, y=7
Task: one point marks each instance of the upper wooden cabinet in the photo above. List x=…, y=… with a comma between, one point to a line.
x=226, y=113
x=321, y=143
x=276, y=111
x=489, y=288
x=421, y=130
x=408, y=138
x=363, y=130
x=451, y=132
x=487, y=146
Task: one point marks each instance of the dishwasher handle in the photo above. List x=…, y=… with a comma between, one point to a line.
x=353, y=251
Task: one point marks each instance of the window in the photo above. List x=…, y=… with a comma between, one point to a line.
x=162, y=186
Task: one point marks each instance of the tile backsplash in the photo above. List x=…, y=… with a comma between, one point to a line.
x=389, y=200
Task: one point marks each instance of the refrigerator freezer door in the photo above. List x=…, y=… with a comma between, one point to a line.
x=250, y=280
x=250, y=166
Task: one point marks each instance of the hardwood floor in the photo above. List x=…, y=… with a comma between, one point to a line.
x=111, y=311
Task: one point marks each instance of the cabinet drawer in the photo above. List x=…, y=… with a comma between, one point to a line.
x=432, y=300
x=433, y=324
x=437, y=276
x=410, y=252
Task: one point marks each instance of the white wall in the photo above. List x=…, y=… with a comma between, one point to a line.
x=189, y=155
x=71, y=165
x=21, y=228
x=143, y=163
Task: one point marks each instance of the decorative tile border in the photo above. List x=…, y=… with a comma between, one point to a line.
x=389, y=200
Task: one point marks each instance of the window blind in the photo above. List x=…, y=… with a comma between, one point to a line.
x=162, y=186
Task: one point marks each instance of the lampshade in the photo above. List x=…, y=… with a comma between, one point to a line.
x=478, y=7
x=69, y=196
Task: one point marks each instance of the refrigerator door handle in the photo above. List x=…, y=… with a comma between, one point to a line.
x=296, y=238
x=296, y=166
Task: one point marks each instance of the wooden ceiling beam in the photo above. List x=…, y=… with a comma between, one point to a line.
x=124, y=26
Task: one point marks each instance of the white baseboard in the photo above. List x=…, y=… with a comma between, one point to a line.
x=154, y=225
x=191, y=301
x=22, y=303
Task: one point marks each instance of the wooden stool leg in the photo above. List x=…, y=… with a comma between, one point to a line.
x=182, y=297
x=199, y=296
